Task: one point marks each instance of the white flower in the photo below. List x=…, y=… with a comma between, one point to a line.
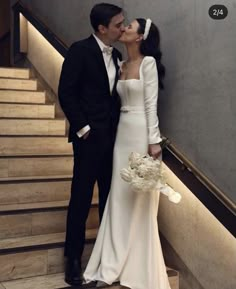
x=126, y=175
x=146, y=174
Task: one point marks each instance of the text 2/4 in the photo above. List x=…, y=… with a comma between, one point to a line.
x=218, y=12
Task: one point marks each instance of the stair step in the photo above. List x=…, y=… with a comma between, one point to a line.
x=18, y=261
x=28, y=192
x=33, y=206
x=12, y=72
x=18, y=84
x=17, y=96
x=37, y=262
x=12, y=110
x=36, y=166
x=29, y=242
x=56, y=281
x=9, y=208
x=33, y=146
x=39, y=241
x=44, y=127
x=34, y=191
x=45, y=221
x=52, y=281
x=35, y=178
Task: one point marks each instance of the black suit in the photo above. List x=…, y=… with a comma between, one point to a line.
x=85, y=98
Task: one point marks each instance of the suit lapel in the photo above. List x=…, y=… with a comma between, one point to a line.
x=92, y=44
x=115, y=60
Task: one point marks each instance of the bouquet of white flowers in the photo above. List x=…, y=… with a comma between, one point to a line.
x=146, y=174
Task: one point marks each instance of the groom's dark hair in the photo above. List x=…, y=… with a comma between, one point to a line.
x=102, y=13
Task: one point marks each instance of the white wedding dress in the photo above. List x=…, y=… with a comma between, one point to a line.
x=128, y=247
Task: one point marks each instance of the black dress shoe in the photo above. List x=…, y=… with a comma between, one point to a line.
x=73, y=272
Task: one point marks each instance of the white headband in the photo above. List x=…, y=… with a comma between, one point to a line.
x=147, y=28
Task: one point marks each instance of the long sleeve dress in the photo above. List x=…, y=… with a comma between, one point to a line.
x=128, y=248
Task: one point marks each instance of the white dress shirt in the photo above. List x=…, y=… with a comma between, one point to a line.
x=111, y=73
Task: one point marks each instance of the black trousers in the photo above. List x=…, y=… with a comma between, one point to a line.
x=92, y=162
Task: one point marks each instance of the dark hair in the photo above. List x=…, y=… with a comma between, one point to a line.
x=102, y=13
x=151, y=47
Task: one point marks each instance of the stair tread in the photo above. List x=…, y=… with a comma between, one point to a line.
x=14, y=146
x=26, y=104
x=27, y=110
x=22, y=91
x=32, y=126
x=39, y=240
x=14, y=167
x=20, y=79
x=39, y=205
x=22, y=96
x=31, y=206
x=14, y=68
x=14, y=72
x=33, y=178
x=33, y=136
x=34, y=191
x=32, y=119
x=20, y=84
x=36, y=155
x=29, y=241
x=52, y=281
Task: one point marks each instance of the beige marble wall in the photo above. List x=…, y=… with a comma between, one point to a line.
x=201, y=241
x=44, y=60
x=44, y=57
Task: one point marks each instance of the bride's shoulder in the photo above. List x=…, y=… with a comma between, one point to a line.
x=148, y=60
x=149, y=63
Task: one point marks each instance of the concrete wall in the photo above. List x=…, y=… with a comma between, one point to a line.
x=198, y=107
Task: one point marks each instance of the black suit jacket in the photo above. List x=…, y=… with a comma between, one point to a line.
x=84, y=92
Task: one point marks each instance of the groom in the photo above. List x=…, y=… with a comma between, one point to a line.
x=89, y=100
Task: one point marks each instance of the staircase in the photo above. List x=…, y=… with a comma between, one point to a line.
x=35, y=177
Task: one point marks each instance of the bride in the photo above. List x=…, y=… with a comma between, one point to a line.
x=127, y=249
